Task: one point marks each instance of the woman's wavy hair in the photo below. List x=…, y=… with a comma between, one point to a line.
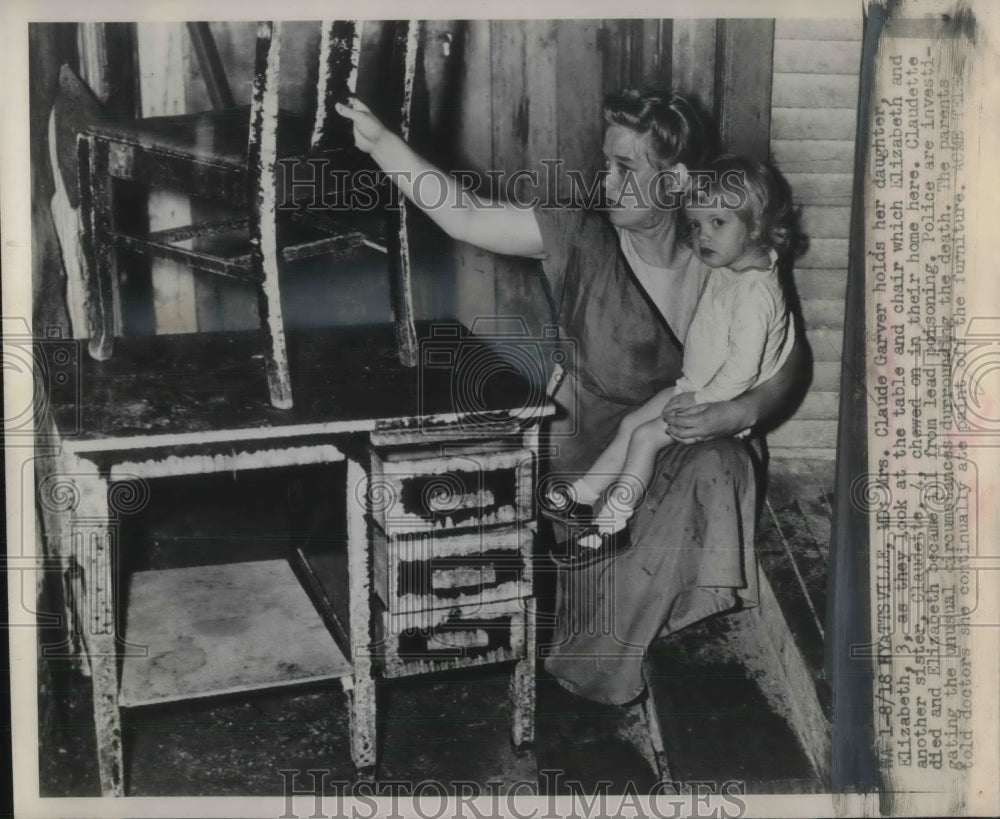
x=677, y=129
x=761, y=197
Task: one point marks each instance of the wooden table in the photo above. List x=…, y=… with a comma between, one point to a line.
x=440, y=466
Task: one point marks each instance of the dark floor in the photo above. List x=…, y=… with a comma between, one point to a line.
x=453, y=727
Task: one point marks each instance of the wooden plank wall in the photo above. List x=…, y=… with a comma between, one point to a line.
x=813, y=115
x=546, y=87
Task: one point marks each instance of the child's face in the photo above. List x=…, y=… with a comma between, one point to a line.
x=720, y=238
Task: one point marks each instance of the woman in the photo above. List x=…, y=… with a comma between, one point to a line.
x=625, y=289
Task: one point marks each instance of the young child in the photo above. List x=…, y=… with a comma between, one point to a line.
x=740, y=224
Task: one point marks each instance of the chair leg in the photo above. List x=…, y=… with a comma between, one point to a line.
x=397, y=234
x=656, y=735
x=95, y=213
x=262, y=156
x=640, y=728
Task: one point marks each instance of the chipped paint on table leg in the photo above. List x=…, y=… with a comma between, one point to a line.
x=94, y=546
x=362, y=717
x=522, y=682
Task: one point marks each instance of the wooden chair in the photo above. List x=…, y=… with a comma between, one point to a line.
x=233, y=157
x=761, y=640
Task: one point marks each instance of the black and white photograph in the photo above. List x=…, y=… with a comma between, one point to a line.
x=467, y=413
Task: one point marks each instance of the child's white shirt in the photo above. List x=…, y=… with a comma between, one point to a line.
x=739, y=337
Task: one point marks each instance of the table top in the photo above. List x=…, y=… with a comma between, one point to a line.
x=184, y=389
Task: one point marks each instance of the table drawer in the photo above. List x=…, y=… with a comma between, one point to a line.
x=431, y=571
x=457, y=639
x=452, y=492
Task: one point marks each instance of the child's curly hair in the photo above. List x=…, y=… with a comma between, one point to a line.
x=761, y=197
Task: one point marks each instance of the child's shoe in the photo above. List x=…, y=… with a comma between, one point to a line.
x=562, y=507
x=572, y=554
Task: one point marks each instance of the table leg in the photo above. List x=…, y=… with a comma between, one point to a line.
x=93, y=544
x=57, y=499
x=362, y=701
x=522, y=685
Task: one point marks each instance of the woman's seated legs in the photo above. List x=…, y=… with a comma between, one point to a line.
x=692, y=555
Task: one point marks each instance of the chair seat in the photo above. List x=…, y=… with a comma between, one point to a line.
x=205, y=155
x=219, y=136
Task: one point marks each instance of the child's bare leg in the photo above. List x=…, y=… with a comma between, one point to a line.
x=612, y=461
x=626, y=493
x=640, y=461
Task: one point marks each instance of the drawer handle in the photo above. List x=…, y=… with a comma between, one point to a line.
x=463, y=576
x=468, y=638
x=441, y=499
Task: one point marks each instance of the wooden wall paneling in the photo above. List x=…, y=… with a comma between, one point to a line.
x=815, y=90
x=162, y=49
x=811, y=123
x=815, y=56
x=439, y=83
x=821, y=188
x=797, y=28
x=814, y=98
x=813, y=155
x=692, y=60
x=813, y=283
x=580, y=102
x=433, y=131
x=743, y=85
x=210, y=65
x=523, y=56
x=824, y=253
x=92, y=45
x=474, y=268
x=826, y=222
x=615, y=46
x=656, y=46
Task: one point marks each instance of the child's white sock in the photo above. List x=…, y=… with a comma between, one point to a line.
x=613, y=520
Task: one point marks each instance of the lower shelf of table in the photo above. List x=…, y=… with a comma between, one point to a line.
x=212, y=630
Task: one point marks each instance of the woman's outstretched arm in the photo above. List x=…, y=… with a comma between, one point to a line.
x=500, y=227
